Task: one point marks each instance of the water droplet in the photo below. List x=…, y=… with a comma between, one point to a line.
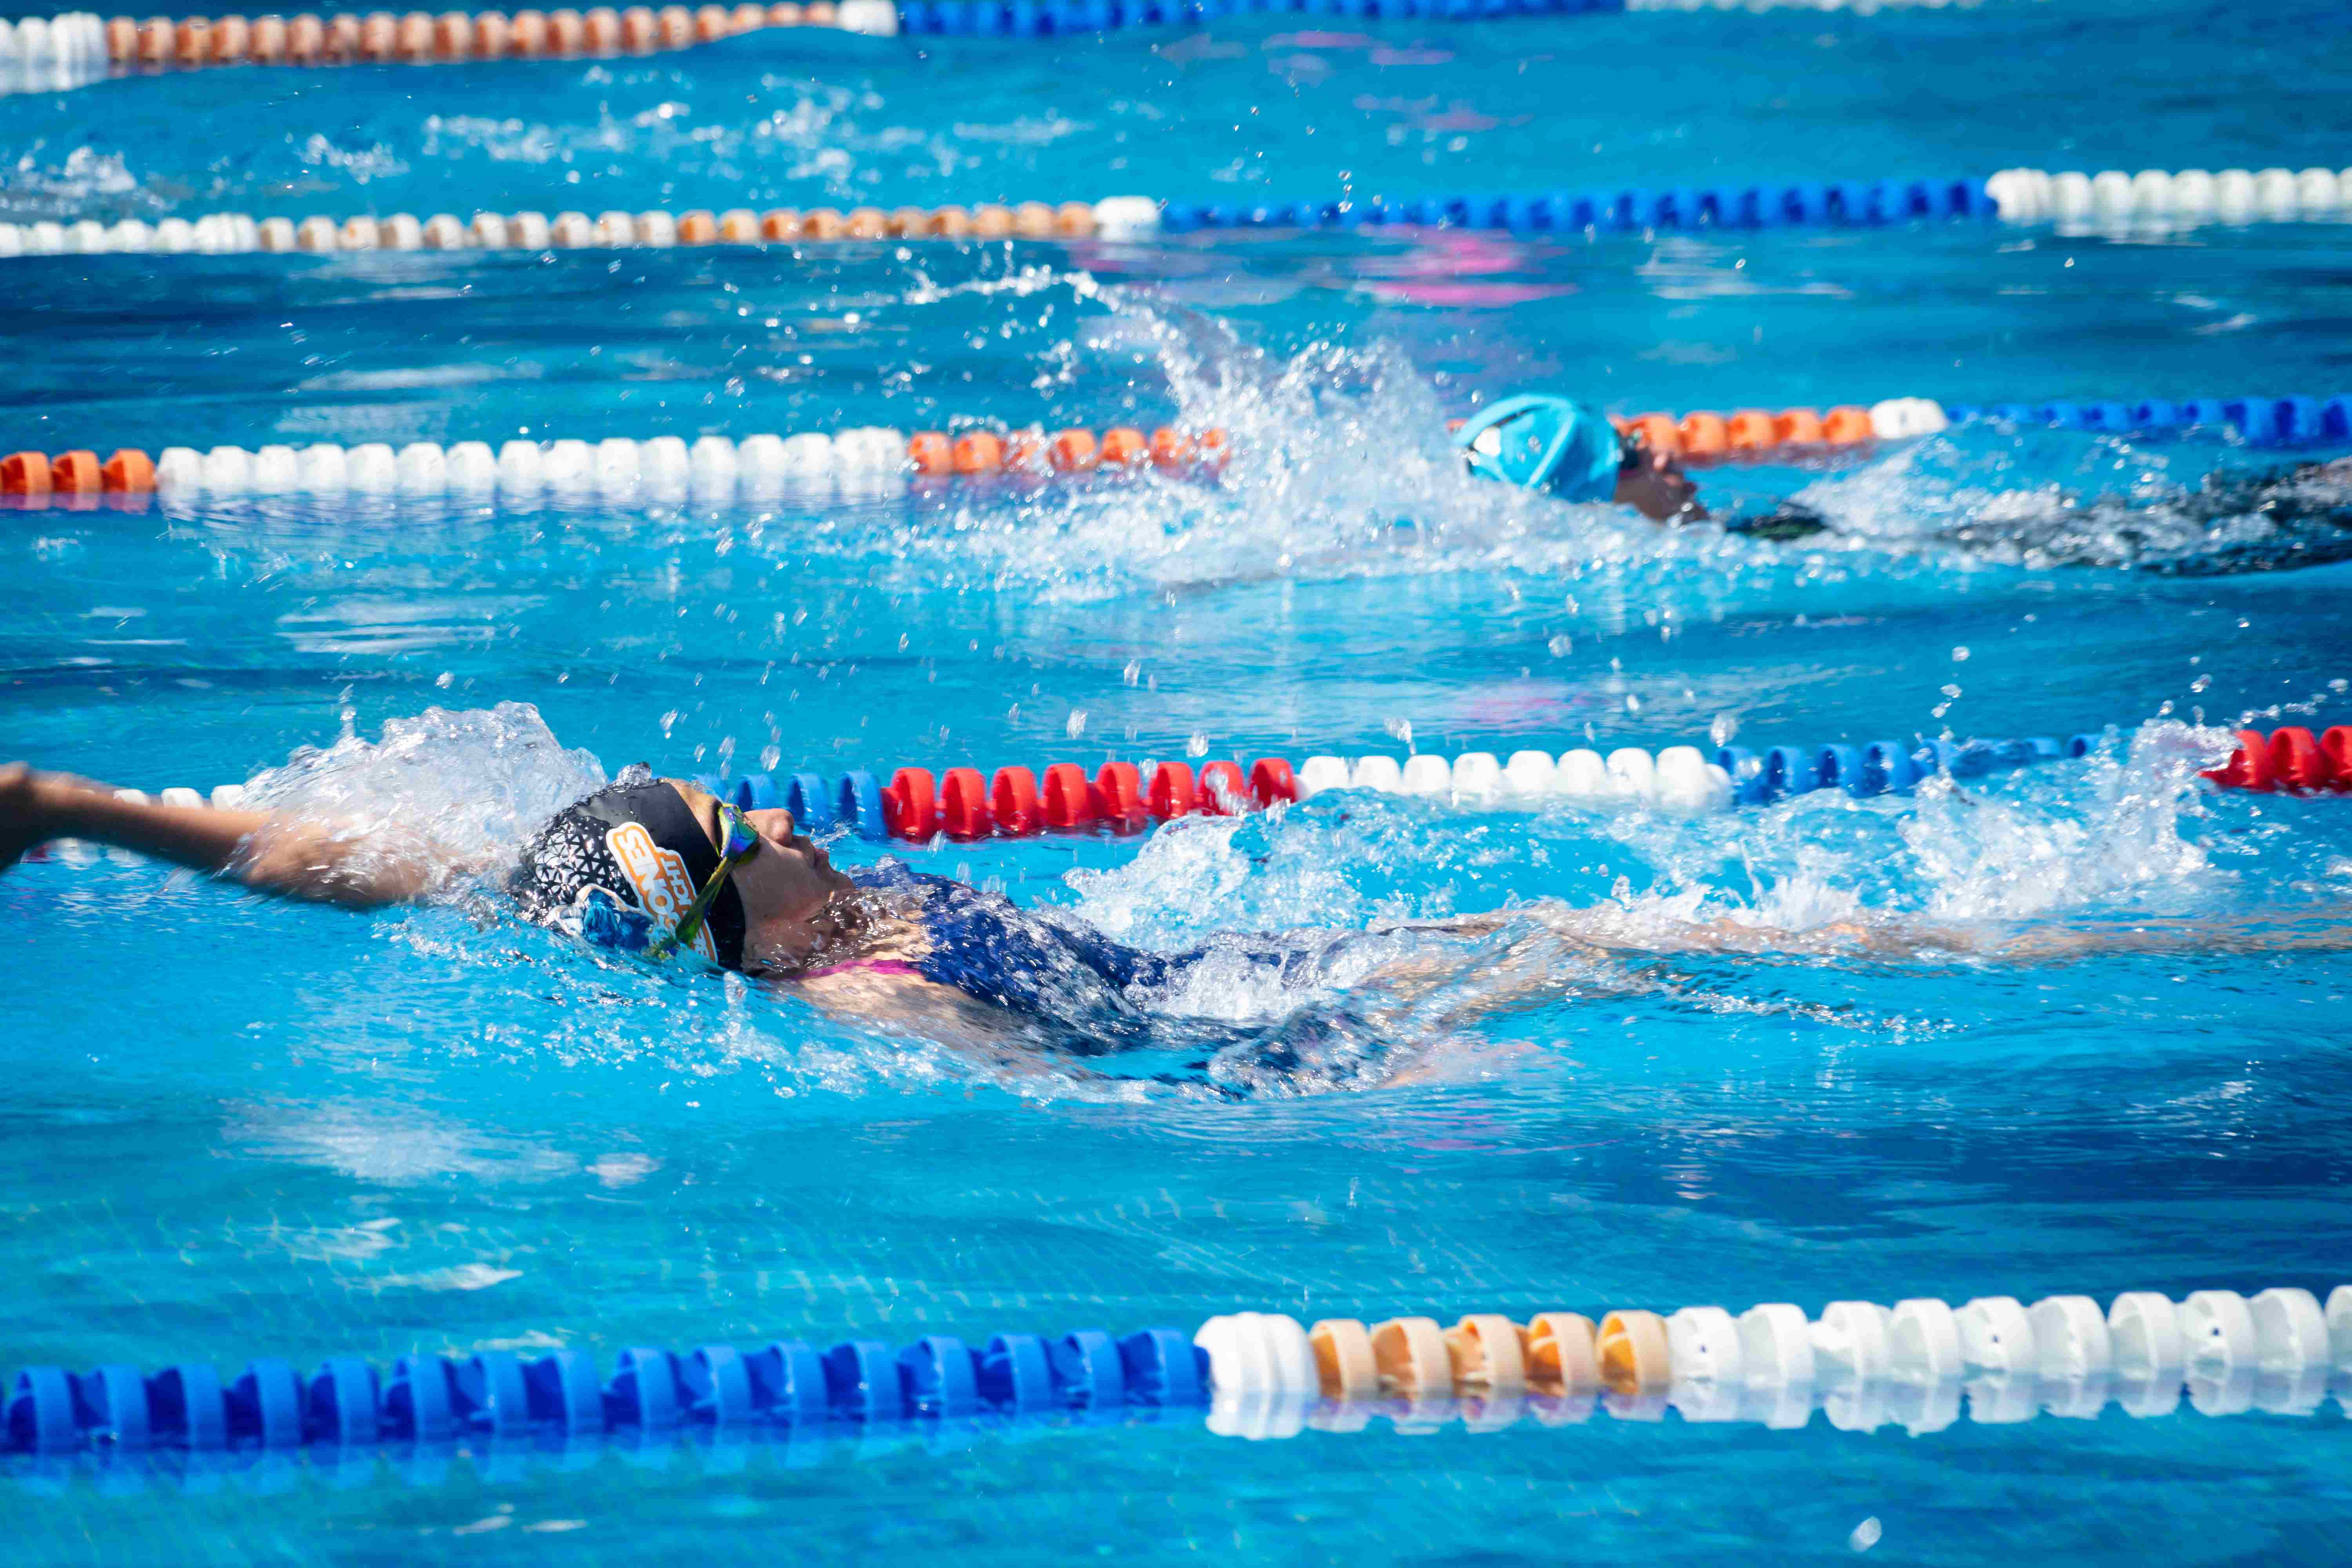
x=1724, y=727
x=1076, y=726
x=1865, y=1534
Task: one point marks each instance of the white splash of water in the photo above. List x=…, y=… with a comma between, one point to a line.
x=477, y=782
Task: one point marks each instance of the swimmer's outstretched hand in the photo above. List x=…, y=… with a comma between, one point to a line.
x=270, y=852
x=23, y=815
x=36, y=807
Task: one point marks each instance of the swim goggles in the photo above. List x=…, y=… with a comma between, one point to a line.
x=738, y=841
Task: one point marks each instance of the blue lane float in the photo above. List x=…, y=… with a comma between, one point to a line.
x=348, y=1403
x=2261, y=421
x=1033, y=19
x=1801, y=205
x=1881, y=767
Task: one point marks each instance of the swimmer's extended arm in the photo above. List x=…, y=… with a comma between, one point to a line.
x=295, y=858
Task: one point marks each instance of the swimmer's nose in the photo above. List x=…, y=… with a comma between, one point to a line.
x=774, y=823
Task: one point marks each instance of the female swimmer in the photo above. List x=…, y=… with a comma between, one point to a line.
x=2303, y=513
x=664, y=869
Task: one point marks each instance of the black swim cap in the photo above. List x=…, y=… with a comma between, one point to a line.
x=621, y=867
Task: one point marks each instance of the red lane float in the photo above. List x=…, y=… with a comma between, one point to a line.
x=963, y=804
x=1068, y=799
x=910, y=806
x=1172, y=793
x=1012, y=803
x=2292, y=759
x=1223, y=792
x=1119, y=797
x=1017, y=803
x=1271, y=780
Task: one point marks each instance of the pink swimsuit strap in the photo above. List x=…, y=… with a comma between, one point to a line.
x=871, y=966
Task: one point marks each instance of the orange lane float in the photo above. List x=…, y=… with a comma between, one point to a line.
x=37, y=479
x=1703, y=435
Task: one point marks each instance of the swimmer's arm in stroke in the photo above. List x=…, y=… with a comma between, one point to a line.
x=270, y=852
x=911, y=1003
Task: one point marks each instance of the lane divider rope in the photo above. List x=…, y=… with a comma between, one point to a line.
x=714, y=468
x=348, y=1401
x=2234, y=195
x=961, y=803
x=878, y=459
x=229, y=233
x=2013, y=196
x=1863, y=1363
x=1262, y=1374
x=418, y=37
x=2292, y=760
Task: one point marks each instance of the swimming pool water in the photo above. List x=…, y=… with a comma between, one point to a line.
x=236, y=1129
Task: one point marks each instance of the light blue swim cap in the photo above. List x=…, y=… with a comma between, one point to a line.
x=1539, y=441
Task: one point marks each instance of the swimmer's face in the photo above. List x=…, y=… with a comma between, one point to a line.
x=1658, y=490
x=782, y=886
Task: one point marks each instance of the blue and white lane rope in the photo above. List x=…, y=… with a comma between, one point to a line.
x=1265, y=1376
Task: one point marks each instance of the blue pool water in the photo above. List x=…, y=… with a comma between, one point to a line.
x=238, y=1128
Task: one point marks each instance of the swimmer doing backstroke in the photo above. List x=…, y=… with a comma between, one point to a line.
x=664, y=870
x=1542, y=441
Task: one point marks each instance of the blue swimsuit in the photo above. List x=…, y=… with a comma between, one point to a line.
x=1097, y=996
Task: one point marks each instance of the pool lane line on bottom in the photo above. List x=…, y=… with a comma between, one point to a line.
x=1121, y=797
x=1260, y=1375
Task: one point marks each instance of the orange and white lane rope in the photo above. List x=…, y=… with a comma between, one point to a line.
x=861, y=460
x=2279, y=1351
x=418, y=37
x=712, y=469
x=217, y=233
